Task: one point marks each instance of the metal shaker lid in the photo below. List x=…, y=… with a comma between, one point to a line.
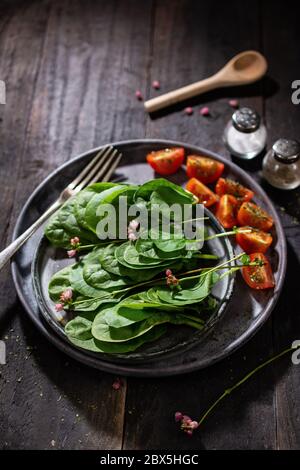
x=246, y=120
x=286, y=150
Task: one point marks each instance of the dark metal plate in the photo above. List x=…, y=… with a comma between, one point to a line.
x=247, y=309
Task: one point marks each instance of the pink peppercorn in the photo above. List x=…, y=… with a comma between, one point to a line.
x=139, y=95
x=204, y=111
x=117, y=384
x=156, y=84
x=189, y=110
x=233, y=103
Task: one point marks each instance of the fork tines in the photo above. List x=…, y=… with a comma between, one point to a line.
x=100, y=168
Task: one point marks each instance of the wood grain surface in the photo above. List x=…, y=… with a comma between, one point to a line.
x=71, y=70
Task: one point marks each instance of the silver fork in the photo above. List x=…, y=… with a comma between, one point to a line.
x=101, y=167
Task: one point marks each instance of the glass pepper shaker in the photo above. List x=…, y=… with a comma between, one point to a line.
x=281, y=165
x=245, y=135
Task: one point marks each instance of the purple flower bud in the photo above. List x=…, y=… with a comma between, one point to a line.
x=178, y=416
x=133, y=225
x=67, y=295
x=75, y=241
x=194, y=424
x=71, y=253
x=132, y=236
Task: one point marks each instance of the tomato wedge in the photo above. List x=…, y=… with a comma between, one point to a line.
x=253, y=215
x=259, y=277
x=202, y=192
x=166, y=161
x=252, y=240
x=228, y=186
x=226, y=211
x=205, y=169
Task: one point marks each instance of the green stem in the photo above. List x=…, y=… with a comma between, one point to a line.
x=93, y=245
x=244, y=379
x=163, y=279
x=226, y=234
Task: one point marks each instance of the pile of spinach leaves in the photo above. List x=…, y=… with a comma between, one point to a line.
x=120, y=299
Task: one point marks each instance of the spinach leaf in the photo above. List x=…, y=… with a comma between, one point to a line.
x=83, y=198
x=79, y=332
x=168, y=192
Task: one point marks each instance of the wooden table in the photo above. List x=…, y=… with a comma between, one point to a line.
x=71, y=69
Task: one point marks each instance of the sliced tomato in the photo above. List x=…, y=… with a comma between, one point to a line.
x=253, y=215
x=166, y=161
x=227, y=210
x=259, y=277
x=228, y=186
x=205, y=169
x=252, y=240
x=202, y=192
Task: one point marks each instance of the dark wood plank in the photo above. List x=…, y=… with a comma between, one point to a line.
x=190, y=43
x=281, y=33
x=90, y=55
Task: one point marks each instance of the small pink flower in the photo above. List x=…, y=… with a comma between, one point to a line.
x=189, y=432
x=132, y=236
x=186, y=419
x=178, y=416
x=71, y=253
x=139, y=95
x=156, y=84
x=133, y=225
x=194, y=424
x=233, y=103
x=171, y=279
x=75, y=241
x=67, y=295
x=189, y=110
x=59, y=307
x=204, y=111
x=168, y=272
x=117, y=384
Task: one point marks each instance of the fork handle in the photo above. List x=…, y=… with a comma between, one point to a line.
x=8, y=252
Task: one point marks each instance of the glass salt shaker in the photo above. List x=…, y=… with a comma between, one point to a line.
x=245, y=135
x=281, y=165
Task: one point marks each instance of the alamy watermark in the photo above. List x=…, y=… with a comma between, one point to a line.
x=2, y=353
x=157, y=221
x=296, y=94
x=2, y=92
x=296, y=354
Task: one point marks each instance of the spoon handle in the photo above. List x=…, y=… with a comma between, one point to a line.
x=183, y=93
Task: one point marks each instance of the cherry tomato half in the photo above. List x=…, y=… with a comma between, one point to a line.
x=166, y=161
x=252, y=240
x=204, y=169
x=259, y=277
x=228, y=186
x=226, y=211
x=253, y=215
x=202, y=192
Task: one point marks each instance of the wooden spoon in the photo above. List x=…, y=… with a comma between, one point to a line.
x=244, y=68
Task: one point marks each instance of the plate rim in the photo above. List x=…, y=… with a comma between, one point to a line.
x=182, y=368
